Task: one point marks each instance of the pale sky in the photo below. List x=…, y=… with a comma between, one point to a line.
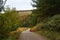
x=19, y=4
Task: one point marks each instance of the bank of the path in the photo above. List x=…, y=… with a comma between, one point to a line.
x=27, y=35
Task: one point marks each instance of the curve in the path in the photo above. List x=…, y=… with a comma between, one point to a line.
x=27, y=35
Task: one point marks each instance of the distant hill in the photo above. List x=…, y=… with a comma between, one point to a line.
x=24, y=13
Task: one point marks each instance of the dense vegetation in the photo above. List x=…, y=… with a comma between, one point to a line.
x=47, y=14
x=45, y=20
x=8, y=22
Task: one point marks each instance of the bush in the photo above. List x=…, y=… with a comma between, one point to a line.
x=50, y=28
x=40, y=26
x=8, y=23
x=53, y=24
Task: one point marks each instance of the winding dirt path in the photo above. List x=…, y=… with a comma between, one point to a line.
x=27, y=35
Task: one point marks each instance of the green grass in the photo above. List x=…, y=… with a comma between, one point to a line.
x=50, y=34
x=14, y=37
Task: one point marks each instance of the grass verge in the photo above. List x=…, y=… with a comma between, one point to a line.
x=14, y=35
x=50, y=34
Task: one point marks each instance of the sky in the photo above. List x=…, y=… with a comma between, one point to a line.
x=19, y=4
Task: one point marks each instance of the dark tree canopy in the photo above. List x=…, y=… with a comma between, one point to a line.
x=2, y=3
x=47, y=7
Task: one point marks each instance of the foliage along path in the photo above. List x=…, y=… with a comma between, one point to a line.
x=27, y=35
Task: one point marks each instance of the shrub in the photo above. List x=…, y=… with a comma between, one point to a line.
x=8, y=23
x=40, y=26
x=54, y=23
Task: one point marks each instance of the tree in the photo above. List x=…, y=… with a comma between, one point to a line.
x=45, y=8
x=2, y=3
